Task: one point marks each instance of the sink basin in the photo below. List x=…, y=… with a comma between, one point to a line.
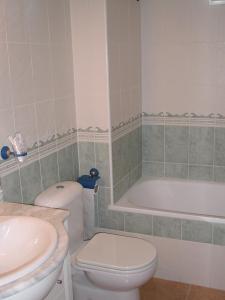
x=25, y=243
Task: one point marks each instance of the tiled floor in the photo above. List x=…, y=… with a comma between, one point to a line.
x=158, y=289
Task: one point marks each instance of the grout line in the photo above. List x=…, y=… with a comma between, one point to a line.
x=212, y=234
x=181, y=230
x=164, y=148
x=188, y=154
x=214, y=150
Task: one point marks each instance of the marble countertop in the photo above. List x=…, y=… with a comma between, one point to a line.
x=54, y=216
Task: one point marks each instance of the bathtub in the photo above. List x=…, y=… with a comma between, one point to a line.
x=176, y=198
x=185, y=220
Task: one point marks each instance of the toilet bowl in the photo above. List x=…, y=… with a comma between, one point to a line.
x=109, y=266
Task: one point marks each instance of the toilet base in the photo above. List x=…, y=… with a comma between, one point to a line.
x=83, y=289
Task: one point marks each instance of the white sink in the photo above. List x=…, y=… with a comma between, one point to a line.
x=25, y=243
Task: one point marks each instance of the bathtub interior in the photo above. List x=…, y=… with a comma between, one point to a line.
x=177, y=196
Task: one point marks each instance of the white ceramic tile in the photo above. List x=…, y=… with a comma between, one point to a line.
x=21, y=73
x=68, y=29
x=45, y=112
x=42, y=72
x=204, y=63
x=62, y=71
x=113, y=17
x=116, y=114
x=207, y=22
x=5, y=87
x=2, y=21
x=124, y=104
x=124, y=65
x=177, y=20
x=114, y=67
x=6, y=126
x=63, y=115
x=26, y=124
x=183, y=56
x=16, y=24
x=36, y=18
x=56, y=11
x=90, y=63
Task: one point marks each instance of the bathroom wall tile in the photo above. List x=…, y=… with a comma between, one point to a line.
x=140, y=144
x=104, y=196
x=167, y=227
x=219, y=234
x=75, y=160
x=201, y=145
x=220, y=146
x=42, y=72
x=25, y=123
x=86, y=156
x=11, y=187
x=112, y=220
x=102, y=163
x=46, y=121
x=196, y=231
x=36, y=18
x=64, y=115
x=116, y=154
x=120, y=153
x=21, y=73
x=49, y=170
x=176, y=170
x=31, y=182
x=56, y=9
x=219, y=174
x=108, y=219
x=6, y=117
x=201, y=172
x=16, y=25
x=65, y=161
x=2, y=21
x=138, y=223
x=96, y=210
x=133, y=146
x=62, y=71
x=5, y=88
x=135, y=174
x=153, y=169
x=153, y=143
x=120, y=188
x=124, y=167
x=176, y=144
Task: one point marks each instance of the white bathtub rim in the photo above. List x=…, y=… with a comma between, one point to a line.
x=124, y=205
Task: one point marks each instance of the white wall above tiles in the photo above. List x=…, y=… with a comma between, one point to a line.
x=124, y=54
x=36, y=74
x=183, y=56
x=90, y=63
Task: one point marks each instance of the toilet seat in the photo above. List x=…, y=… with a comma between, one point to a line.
x=116, y=254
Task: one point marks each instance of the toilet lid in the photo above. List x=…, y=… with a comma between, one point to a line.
x=116, y=252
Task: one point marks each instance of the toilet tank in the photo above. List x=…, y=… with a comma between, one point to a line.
x=67, y=195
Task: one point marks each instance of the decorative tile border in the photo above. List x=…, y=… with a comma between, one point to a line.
x=191, y=119
x=165, y=118
x=40, y=150
x=125, y=127
x=93, y=134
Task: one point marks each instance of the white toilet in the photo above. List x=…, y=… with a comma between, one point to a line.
x=109, y=266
